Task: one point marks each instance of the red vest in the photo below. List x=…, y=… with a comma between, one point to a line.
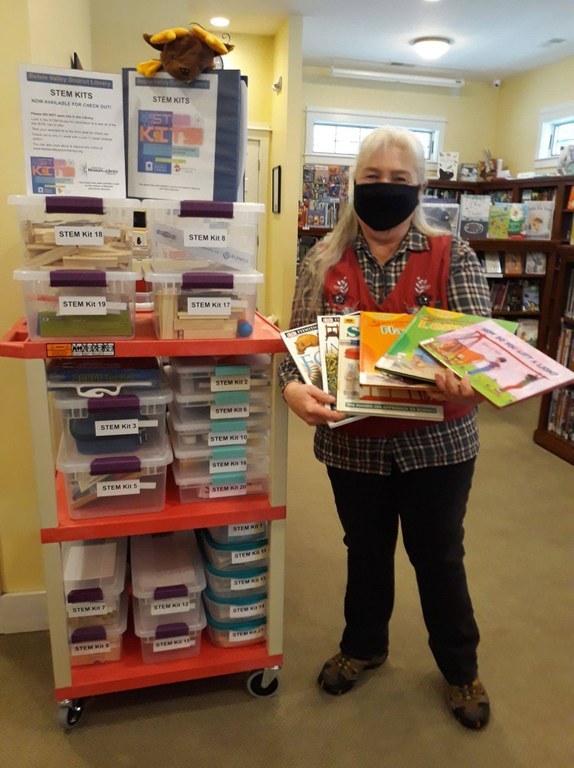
x=422, y=282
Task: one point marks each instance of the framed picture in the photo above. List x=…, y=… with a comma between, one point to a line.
x=468, y=172
x=276, y=189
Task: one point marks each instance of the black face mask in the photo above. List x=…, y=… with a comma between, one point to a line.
x=384, y=206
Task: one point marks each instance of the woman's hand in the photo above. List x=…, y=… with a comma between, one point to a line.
x=310, y=403
x=452, y=389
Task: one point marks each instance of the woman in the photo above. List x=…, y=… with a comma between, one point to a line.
x=383, y=256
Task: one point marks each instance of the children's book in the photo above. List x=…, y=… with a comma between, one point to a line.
x=492, y=264
x=512, y=263
x=531, y=296
x=303, y=345
x=474, y=210
x=448, y=166
x=517, y=213
x=378, y=331
x=406, y=358
x=352, y=397
x=528, y=330
x=502, y=367
x=535, y=263
x=539, y=219
x=442, y=214
x=498, y=219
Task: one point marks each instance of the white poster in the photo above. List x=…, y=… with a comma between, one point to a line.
x=73, y=132
x=171, y=137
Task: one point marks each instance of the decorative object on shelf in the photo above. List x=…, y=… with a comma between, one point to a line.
x=447, y=166
x=487, y=167
x=184, y=53
x=468, y=172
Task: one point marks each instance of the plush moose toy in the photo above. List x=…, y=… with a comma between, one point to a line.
x=184, y=53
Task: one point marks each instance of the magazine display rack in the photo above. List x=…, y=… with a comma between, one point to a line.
x=74, y=684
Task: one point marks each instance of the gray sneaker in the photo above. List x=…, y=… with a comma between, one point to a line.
x=469, y=704
x=340, y=673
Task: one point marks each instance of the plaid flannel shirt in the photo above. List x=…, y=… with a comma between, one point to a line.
x=437, y=444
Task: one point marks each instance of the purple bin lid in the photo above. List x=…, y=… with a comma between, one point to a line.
x=72, y=204
x=113, y=403
x=88, y=634
x=175, y=590
x=177, y=629
x=215, y=209
x=61, y=278
x=91, y=595
x=194, y=280
x=109, y=464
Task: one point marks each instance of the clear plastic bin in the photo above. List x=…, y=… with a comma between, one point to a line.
x=197, y=461
x=205, y=432
x=70, y=232
x=235, y=610
x=238, y=532
x=242, y=583
x=192, y=234
x=130, y=422
x=167, y=576
x=201, y=375
x=222, y=485
x=204, y=305
x=222, y=405
x=94, y=574
x=77, y=304
x=236, y=556
x=104, y=376
x=99, y=642
x=231, y=635
x=115, y=484
x=168, y=639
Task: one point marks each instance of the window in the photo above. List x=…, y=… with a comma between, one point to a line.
x=556, y=130
x=336, y=137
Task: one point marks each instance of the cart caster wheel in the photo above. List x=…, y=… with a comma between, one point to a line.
x=256, y=688
x=70, y=711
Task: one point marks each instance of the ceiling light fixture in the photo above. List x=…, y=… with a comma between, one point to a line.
x=219, y=21
x=431, y=47
x=398, y=77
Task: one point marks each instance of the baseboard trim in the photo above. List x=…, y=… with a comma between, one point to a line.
x=23, y=612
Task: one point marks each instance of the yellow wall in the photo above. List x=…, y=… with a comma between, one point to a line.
x=521, y=99
x=470, y=111
x=36, y=36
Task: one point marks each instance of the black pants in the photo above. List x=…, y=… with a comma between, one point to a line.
x=430, y=504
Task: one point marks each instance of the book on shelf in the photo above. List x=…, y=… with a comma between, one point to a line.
x=407, y=358
x=501, y=367
x=507, y=220
x=499, y=301
x=378, y=331
x=561, y=414
x=441, y=214
x=531, y=296
x=390, y=402
x=468, y=172
x=570, y=203
x=514, y=298
x=512, y=263
x=473, y=215
x=448, y=166
x=565, y=352
x=535, y=263
x=539, y=216
x=569, y=305
x=492, y=265
x=528, y=330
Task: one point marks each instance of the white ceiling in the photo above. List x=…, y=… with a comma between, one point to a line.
x=492, y=38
